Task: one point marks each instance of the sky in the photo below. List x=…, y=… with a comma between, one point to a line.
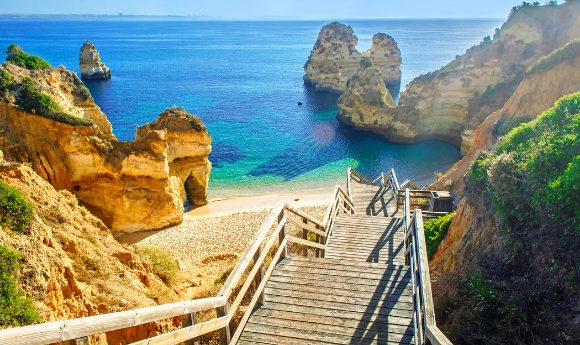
x=253, y=9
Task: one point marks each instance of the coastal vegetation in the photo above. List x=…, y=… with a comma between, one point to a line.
x=566, y=53
x=162, y=262
x=15, y=211
x=435, y=230
x=17, y=56
x=15, y=308
x=530, y=183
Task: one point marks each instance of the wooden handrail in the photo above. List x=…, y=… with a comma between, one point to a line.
x=263, y=241
x=426, y=331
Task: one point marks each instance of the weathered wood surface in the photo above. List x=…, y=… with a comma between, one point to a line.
x=325, y=301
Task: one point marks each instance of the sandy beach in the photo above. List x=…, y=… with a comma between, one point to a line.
x=209, y=241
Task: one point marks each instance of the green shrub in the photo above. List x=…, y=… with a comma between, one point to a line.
x=566, y=53
x=34, y=101
x=17, y=56
x=505, y=126
x=82, y=91
x=15, y=211
x=6, y=80
x=366, y=62
x=161, y=261
x=15, y=308
x=435, y=230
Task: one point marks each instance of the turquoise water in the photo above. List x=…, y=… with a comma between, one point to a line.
x=244, y=79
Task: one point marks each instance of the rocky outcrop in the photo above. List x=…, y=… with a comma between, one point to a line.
x=72, y=266
x=366, y=102
x=131, y=186
x=452, y=102
x=90, y=63
x=334, y=58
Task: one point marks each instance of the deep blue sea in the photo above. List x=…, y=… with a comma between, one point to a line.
x=244, y=79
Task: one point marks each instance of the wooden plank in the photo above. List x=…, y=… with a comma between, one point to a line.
x=435, y=336
x=259, y=290
x=232, y=281
x=256, y=338
x=393, y=301
x=316, y=337
x=331, y=273
x=397, y=294
x=56, y=331
x=371, y=258
x=376, y=269
x=307, y=227
x=297, y=240
x=184, y=334
x=354, y=331
x=330, y=317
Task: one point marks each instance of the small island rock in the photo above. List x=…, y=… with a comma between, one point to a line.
x=91, y=65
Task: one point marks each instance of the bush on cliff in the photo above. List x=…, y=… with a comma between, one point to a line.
x=15, y=211
x=162, y=262
x=17, y=56
x=34, y=101
x=15, y=308
x=531, y=182
x=435, y=230
x=6, y=81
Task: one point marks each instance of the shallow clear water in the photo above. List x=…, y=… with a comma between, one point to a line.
x=244, y=79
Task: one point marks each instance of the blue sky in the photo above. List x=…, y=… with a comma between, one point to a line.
x=249, y=9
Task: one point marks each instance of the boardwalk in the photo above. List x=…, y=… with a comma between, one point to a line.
x=359, y=293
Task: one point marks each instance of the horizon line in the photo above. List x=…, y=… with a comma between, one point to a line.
x=208, y=18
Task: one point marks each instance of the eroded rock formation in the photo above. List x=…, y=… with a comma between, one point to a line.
x=73, y=267
x=334, y=58
x=90, y=63
x=131, y=186
x=452, y=102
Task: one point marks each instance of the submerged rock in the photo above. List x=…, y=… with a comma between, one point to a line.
x=90, y=63
x=334, y=58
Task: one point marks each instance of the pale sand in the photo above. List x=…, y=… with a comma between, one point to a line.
x=211, y=239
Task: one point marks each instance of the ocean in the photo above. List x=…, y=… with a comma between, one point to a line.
x=244, y=79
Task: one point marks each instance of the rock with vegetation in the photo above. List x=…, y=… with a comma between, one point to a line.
x=91, y=65
x=507, y=271
x=58, y=261
x=334, y=58
x=453, y=101
x=48, y=123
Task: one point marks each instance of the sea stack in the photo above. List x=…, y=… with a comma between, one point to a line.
x=335, y=59
x=91, y=65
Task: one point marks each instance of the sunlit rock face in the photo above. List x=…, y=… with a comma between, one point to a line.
x=91, y=65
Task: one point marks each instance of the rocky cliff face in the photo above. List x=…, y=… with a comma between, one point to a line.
x=72, y=266
x=450, y=103
x=131, y=186
x=334, y=58
x=90, y=63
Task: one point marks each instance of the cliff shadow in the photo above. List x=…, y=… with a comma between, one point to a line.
x=395, y=89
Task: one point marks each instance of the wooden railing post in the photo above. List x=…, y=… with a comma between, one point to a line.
x=282, y=234
x=188, y=320
x=77, y=341
x=259, y=274
x=305, y=236
x=224, y=332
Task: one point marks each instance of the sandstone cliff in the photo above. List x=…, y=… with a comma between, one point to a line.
x=72, y=266
x=334, y=58
x=131, y=186
x=90, y=63
x=450, y=103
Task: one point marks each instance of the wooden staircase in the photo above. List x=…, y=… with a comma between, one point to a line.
x=359, y=293
x=360, y=276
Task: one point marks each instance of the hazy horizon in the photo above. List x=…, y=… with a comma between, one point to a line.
x=264, y=10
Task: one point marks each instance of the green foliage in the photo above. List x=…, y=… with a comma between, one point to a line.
x=532, y=180
x=15, y=308
x=6, y=81
x=82, y=91
x=17, y=56
x=15, y=211
x=566, y=53
x=505, y=126
x=34, y=101
x=435, y=230
x=366, y=62
x=552, y=3
x=162, y=262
